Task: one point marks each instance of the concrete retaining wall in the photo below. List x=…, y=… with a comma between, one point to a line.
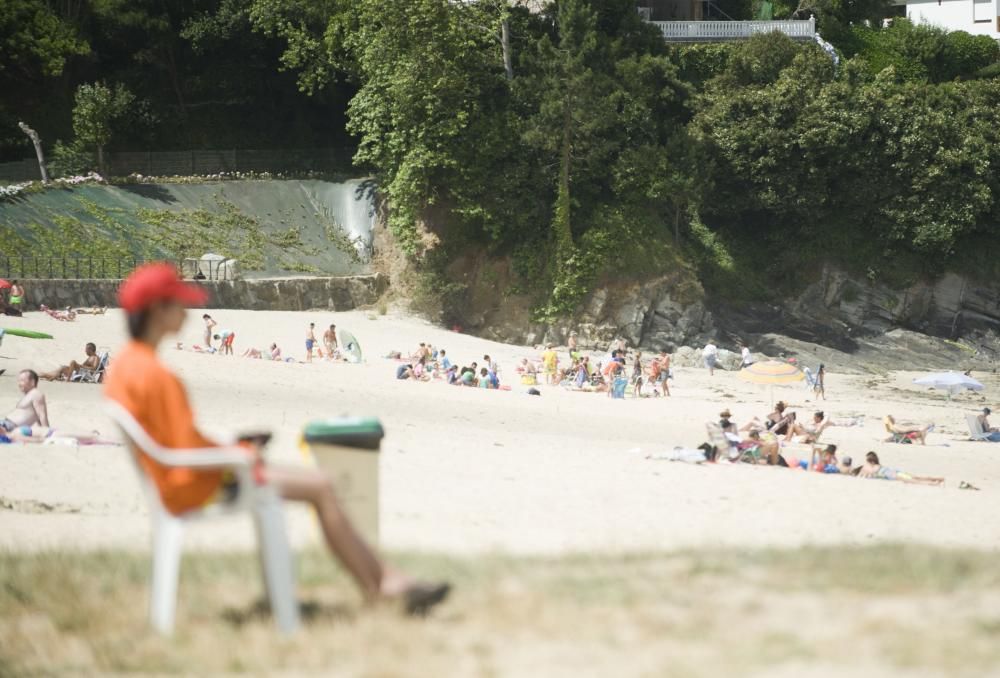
x=285, y=294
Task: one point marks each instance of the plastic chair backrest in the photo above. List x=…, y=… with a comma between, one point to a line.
x=138, y=442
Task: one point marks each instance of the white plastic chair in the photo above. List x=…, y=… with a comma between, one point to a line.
x=168, y=529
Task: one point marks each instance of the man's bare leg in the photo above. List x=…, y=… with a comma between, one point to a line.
x=313, y=487
x=64, y=372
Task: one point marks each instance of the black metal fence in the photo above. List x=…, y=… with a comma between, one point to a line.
x=102, y=268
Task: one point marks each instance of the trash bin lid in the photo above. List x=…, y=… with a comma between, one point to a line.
x=361, y=432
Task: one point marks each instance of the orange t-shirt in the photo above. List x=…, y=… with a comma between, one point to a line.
x=158, y=401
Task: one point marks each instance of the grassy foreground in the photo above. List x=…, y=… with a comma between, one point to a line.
x=885, y=610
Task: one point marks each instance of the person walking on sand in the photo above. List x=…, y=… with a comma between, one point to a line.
x=210, y=325
x=154, y=299
x=310, y=341
x=819, y=388
x=746, y=360
x=710, y=354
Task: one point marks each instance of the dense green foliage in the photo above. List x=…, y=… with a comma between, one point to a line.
x=98, y=110
x=203, y=77
x=581, y=145
x=922, y=52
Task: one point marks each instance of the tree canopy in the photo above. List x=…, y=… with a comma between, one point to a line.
x=570, y=138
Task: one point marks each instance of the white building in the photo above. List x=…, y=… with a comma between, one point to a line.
x=978, y=17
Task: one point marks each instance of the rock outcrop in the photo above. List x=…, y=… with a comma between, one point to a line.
x=663, y=312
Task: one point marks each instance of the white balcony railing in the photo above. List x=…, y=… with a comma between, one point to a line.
x=710, y=31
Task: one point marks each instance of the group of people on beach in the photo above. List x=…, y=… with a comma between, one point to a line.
x=328, y=348
x=776, y=439
x=611, y=375
x=427, y=363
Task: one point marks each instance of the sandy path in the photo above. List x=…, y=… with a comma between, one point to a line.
x=466, y=470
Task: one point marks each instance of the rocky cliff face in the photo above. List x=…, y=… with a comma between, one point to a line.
x=848, y=323
x=951, y=306
x=663, y=311
x=948, y=322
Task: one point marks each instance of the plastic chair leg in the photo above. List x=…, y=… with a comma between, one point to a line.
x=168, y=534
x=276, y=560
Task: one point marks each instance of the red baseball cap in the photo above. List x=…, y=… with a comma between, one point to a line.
x=157, y=282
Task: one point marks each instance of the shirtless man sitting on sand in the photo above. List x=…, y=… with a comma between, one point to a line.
x=66, y=371
x=30, y=410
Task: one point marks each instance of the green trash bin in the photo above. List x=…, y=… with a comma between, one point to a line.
x=347, y=449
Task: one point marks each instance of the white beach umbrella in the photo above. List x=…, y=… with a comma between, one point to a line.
x=952, y=382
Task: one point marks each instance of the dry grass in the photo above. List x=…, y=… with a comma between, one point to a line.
x=870, y=611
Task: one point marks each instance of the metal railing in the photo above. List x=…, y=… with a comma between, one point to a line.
x=203, y=162
x=713, y=31
x=103, y=268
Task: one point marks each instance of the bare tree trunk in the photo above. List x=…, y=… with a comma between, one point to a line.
x=175, y=80
x=39, y=153
x=563, y=226
x=677, y=224
x=508, y=66
x=100, y=160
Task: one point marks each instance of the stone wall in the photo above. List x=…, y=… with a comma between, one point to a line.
x=285, y=294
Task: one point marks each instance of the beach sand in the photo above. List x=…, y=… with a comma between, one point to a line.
x=467, y=471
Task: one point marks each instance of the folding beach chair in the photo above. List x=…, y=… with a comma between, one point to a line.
x=894, y=437
x=724, y=446
x=260, y=500
x=976, y=431
x=86, y=375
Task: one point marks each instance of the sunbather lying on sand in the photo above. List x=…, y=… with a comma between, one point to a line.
x=905, y=431
x=874, y=469
x=272, y=353
x=41, y=434
x=66, y=315
x=92, y=310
